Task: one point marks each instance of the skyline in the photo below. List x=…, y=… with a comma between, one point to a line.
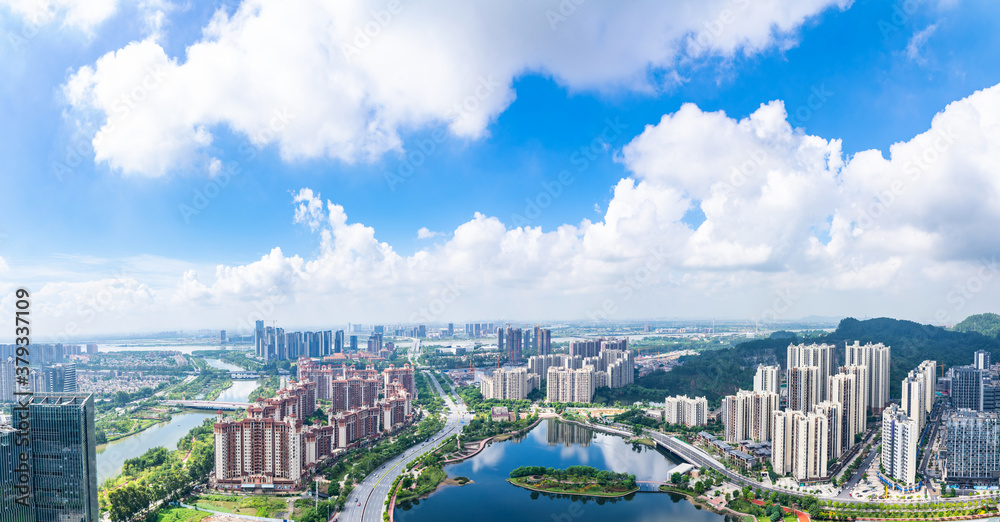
x=824, y=158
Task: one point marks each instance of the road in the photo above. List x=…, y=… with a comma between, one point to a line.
x=858, y=475
x=367, y=501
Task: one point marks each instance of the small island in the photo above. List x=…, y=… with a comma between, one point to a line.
x=574, y=480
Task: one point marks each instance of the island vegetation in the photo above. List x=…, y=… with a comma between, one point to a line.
x=574, y=480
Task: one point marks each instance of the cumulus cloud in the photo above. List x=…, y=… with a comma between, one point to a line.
x=426, y=233
x=789, y=219
x=356, y=72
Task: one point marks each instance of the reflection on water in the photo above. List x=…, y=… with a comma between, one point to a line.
x=112, y=456
x=569, y=434
x=489, y=497
x=239, y=392
x=216, y=363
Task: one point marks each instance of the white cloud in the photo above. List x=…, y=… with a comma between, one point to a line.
x=426, y=233
x=354, y=73
x=913, y=47
x=82, y=15
x=910, y=233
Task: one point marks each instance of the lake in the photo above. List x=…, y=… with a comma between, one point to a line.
x=554, y=444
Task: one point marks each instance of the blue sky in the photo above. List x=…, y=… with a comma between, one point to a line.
x=879, y=78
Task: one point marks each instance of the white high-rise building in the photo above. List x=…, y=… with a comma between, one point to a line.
x=833, y=412
x=809, y=437
x=685, y=410
x=570, y=385
x=804, y=384
x=899, y=445
x=911, y=400
x=506, y=384
x=822, y=356
x=800, y=444
x=846, y=389
x=748, y=415
x=781, y=444
x=928, y=372
x=767, y=379
x=875, y=357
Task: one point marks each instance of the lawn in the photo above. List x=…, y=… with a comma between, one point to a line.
x=179, y=514
x=267, y=507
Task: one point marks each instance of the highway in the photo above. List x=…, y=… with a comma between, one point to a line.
x=367, y=501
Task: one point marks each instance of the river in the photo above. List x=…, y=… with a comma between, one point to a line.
x=112, y=456
x=490, y=498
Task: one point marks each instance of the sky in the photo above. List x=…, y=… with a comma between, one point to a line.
x=184, y=165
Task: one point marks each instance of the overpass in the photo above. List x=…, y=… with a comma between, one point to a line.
x=209, y=405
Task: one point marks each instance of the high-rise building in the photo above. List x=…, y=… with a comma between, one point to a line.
x=685, y=410
x=767, y=379
x=846, y=389
x=354, y=344
x=506, y=384
x=748, y=415
x=451, y=329
x=800, y=444
x=59, y=378
x=544, y=341
x=804, y=383
x=570, y=385
x=822, y=356
x=973, y=441
x=912, y=398
x=222, y=337
x=258, y=339
x=900, y=433
x=513, y=346
x=928, y=373
x=91, y=348
x=338, y=341
x=982, y=360
x=63, y=452
x=875, y=357
x=834, y=414
x=967, y=387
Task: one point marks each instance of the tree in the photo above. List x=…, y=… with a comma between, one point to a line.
x=675, y=478
x=699, y=487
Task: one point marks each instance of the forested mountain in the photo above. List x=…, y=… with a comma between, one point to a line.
x=986, y=324
x=721, y=372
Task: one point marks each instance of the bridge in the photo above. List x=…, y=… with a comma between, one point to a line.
x=209, y=405
x=244, y=376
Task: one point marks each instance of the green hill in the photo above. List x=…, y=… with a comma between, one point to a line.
x=717, y=373
x=986, y=324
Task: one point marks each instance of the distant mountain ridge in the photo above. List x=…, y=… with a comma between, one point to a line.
x=718, y=373
x=987, y=324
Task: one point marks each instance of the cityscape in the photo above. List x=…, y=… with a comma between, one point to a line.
x=554, y=260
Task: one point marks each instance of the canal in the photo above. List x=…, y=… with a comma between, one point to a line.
x=489, y=497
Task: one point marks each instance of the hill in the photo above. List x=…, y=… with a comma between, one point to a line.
x=986, y=324
x=717, y=373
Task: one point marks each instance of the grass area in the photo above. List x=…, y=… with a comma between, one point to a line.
x=592, y=489
x=575, y=480
x=646, y=441
x=428, y=480
x=258, y=506
x=178, y=514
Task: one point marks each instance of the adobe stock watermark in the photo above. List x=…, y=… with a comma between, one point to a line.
x=415, y=157
x=784, y=301
x=714, y=28
x=582, y=159
x=85, y=140
x=435, y=308
x=967, y=289
x=563, y=10
x=901, y=13
x=758, y=156
x=378, y=21
x=40, y=16
x=264, y=309
x=914, y=169
x=202, y=196
x=626, y=287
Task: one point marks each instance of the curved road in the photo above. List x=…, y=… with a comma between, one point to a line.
x=367, y=501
